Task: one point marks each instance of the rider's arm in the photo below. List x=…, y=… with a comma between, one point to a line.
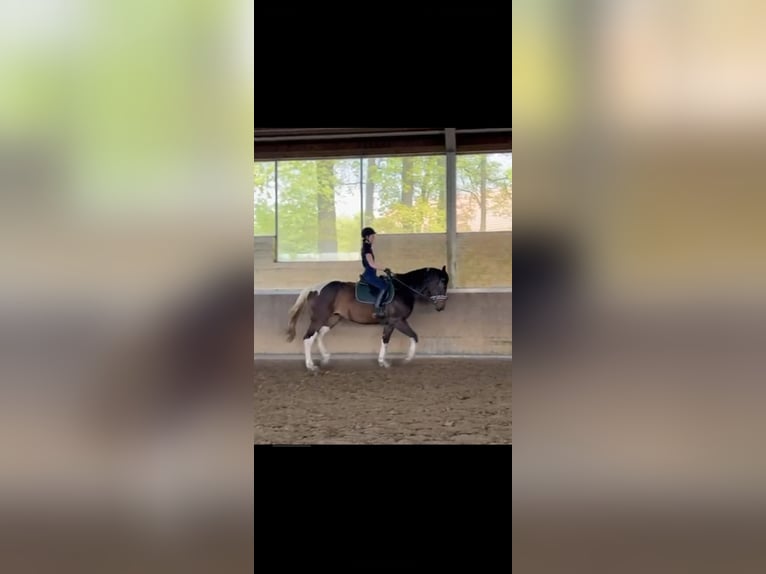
x=372, y=263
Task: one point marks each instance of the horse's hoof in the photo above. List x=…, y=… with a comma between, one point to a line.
x=312, y=367
x=325, y=360
x=407, y=359
x=385, y=364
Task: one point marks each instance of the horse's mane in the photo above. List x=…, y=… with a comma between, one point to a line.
x=417, y=277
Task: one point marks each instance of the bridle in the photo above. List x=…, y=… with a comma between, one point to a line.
x=433, y=298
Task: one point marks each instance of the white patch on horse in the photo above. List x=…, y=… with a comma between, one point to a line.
x=411, y=351
x=382, y=355
x=307, y=344
x=322, y=349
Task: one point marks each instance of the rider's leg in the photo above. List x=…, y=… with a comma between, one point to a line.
x=379, y=312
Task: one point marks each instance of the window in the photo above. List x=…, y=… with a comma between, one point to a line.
x=405, y=194
x=319, y=210
x=484, y=192
x=316, y=208
x=264, y=196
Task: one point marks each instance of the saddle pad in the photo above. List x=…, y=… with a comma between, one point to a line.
x=366, y=294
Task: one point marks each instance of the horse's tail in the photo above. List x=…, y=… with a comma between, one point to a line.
x=295, y=310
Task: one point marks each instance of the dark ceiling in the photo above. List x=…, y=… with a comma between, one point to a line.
x=305, y=143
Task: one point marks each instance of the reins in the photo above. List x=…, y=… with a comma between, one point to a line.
x=433, y=298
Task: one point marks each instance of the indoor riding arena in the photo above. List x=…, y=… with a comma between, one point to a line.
x=436, y=197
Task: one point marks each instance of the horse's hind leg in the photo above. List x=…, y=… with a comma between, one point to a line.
x=331, y=322
x=321, y=315
x=308, y=342
x=403, y=326
x=314, y=331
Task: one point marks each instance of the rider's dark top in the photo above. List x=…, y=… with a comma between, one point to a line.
x=367, y=248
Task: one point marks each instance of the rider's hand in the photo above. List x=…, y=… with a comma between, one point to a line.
x=387, y=271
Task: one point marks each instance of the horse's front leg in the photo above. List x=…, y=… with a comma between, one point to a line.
x=387, y=330
x=403, y=326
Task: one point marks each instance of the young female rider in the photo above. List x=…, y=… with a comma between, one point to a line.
x=368, y=261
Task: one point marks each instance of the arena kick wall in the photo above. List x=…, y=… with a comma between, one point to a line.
x=474, y=322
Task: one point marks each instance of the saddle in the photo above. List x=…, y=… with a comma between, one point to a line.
x=366, y=293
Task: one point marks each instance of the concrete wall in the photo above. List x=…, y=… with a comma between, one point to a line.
x=472, y=323
x=483, y=260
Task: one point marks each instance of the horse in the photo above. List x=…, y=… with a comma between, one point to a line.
x=337, y=300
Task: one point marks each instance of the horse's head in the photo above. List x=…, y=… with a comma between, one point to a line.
x=435, y=286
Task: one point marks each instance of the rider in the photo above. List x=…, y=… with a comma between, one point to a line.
x=368, y=261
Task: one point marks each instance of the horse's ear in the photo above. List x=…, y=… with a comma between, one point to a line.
x=444, y=268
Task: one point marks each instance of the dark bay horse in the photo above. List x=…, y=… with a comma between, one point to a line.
x=336, y=300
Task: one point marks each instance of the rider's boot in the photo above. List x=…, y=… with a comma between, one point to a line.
x=379, y=311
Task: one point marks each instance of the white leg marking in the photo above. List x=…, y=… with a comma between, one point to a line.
x=382, y=355
x=307, y=344
x=322, y=348
x=411, y=352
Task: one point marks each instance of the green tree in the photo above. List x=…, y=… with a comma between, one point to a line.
x=264, y=181
x=411, y=194
x=327, y=236
x=316, y=216
x=407, y=183
x=485, y=183
x=369, y=191
x=297, y=228
x=310, y=225
x=348, y=234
